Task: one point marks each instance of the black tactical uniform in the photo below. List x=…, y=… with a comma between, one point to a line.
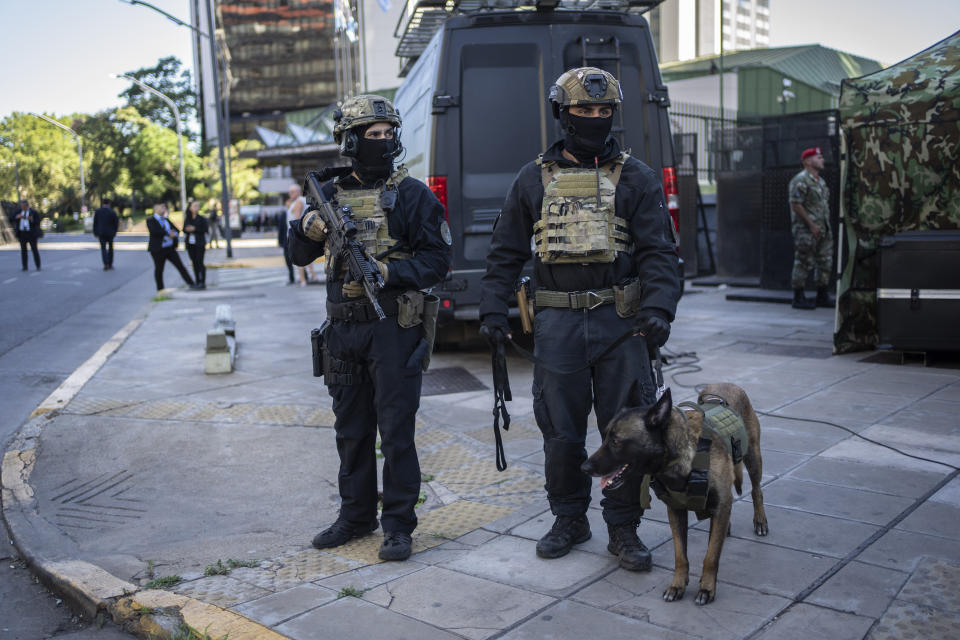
x=567, y=336
x=375, y=365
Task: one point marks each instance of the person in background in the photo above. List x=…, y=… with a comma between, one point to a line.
x=195, y=227
x=105, y=225
x=296, y=205
x=214, y=225
x=163, y=246
x=27, y=228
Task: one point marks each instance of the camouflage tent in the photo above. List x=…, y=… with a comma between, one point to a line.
x=901, y=128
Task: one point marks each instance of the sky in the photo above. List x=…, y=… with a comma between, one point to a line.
x=59, y=53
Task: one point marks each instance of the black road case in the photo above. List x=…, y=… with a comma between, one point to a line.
x=918, y=295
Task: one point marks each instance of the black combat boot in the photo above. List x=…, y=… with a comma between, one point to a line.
x=396, y=546
x=800, y=300
x=823, y=297
x=624, y=543
x=565, y=532
x=342, y=532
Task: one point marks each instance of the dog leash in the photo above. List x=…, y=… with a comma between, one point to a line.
x=501, y=383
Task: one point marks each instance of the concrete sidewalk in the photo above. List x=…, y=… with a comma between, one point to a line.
x=154, y=470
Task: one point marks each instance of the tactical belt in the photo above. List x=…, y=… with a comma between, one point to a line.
x=574, y=299
x=361, y=310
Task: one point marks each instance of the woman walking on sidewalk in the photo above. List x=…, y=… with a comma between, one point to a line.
x=195, y=226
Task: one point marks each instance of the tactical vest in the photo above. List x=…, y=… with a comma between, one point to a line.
x=371, y=218
x=577, y=219
x=719, y=422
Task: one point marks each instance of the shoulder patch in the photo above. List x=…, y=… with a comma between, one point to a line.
x=445, y=233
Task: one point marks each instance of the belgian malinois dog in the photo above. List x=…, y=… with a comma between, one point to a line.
x=661, y=442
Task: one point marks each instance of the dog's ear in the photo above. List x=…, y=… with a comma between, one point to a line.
x=635, y=395
x=658, y=416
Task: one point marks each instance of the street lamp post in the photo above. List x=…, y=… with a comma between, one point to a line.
x=222, y=148
x=176, y=115
x=76, y=136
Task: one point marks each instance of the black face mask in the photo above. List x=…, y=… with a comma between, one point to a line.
x=374, y=160
x=585, y=138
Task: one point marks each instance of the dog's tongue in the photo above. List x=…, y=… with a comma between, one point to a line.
x=605, y=480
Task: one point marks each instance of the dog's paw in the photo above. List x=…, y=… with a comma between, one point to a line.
x=673, y=593
x=760, y=528
x=704, y=596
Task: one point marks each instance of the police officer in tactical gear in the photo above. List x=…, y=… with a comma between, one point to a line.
x=372, y=367
x=604, y=262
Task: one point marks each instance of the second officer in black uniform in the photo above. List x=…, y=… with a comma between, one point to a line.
x=605, y=262
x=373, y=367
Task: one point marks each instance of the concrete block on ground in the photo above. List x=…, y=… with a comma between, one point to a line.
x=221, y=342
x=460, y=603
x=805, y=621
x=857, y=474
x=860, y=588
x=512, y=560
x=905, y=550
x=830, y=500
x=573, y=620
x=354, y=618
x=280, y=607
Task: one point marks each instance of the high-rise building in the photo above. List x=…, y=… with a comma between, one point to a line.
x=293, y=55
x=686, y=29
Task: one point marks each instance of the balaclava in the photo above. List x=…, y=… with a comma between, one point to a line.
x=585, y=138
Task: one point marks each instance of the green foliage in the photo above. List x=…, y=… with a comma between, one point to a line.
x=218, y=569
x=251, y=564
x=164, y=583
x=351, y=592
x=130, y=154
x=167, y=78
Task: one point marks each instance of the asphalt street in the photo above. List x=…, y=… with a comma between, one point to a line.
x=53, y=320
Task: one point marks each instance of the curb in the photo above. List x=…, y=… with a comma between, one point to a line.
x=146, y=613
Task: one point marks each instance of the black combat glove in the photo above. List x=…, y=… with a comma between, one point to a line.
x=495, y=329
x=654, y=326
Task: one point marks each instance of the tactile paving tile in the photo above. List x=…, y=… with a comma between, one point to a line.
x=517, y=431
x=222, y=591
x=449, y=457
x=476, y=476
x=157, y=409
x=89, y=405
x=934, y=584
x=361, y=549
x=908, y=621
x=294, y=569
x=518, y=492
x=463, y=516
x=213, y=412
x=429, y=438
x=280, y=413
x=322, y=417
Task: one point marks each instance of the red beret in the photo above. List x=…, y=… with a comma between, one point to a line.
x=812, y=151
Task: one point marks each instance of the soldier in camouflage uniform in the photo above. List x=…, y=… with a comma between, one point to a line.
x=373, y=368
x=604, y=262
x=812, y=243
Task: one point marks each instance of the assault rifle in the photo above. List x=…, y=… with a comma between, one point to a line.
x=343, y=243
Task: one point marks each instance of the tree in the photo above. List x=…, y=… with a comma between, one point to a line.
x=167, y=78
x=245, y=174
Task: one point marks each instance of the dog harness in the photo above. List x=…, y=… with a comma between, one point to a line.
x=719, y=422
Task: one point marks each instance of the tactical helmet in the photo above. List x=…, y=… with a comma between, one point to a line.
x=584, y=85
x=361, y=111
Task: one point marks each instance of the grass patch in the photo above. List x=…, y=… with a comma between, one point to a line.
x=160, y=297
x=421, y=498
x=164, y=583
x=250, y=564
x=426, y=477
x=184, y=632
x=218, y=569
x=351, y=592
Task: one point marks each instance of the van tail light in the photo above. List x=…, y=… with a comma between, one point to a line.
x=673, y=195
x=438, y=184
